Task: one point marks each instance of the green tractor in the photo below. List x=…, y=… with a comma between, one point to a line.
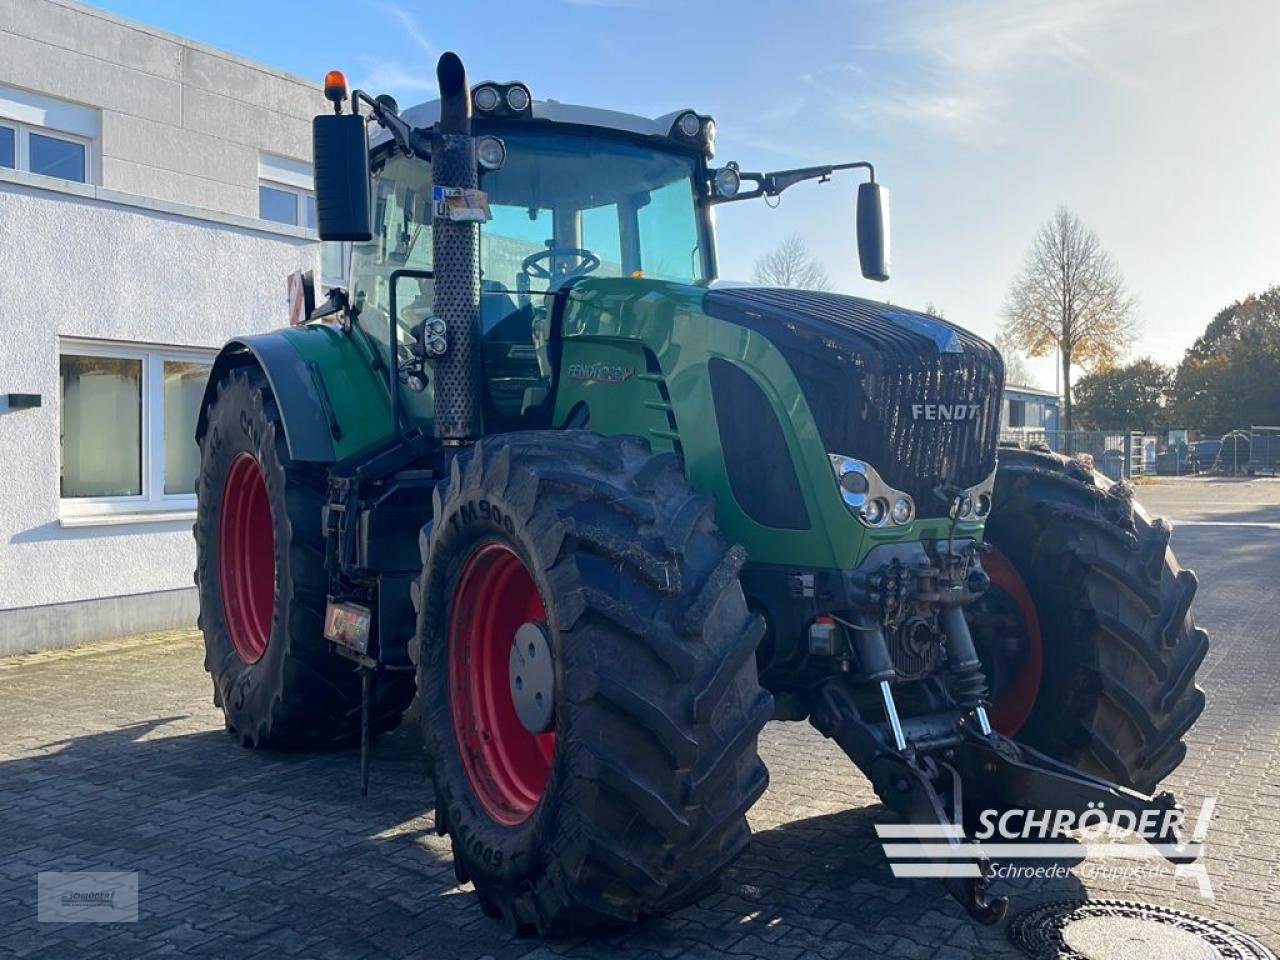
x=607, y=517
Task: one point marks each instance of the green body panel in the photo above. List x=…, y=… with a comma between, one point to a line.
x=636, y=352
x=357, y=393
x=660, y=331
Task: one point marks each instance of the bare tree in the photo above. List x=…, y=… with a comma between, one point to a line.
x=1070, y=296
x=1015, y=364
x=790, y=264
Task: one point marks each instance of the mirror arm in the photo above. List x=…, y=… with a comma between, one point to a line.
x=411, y=140
x=772, y=184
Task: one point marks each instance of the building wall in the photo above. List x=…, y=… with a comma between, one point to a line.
x=162, y=247
x=178, y=121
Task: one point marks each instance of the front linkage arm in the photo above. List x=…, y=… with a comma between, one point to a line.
x=950, y=771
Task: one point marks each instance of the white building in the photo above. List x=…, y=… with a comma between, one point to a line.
x=154, y=196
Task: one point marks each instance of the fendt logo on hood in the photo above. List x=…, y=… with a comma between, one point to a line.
x=944, y=411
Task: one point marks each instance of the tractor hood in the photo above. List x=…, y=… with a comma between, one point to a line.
x=916, y=397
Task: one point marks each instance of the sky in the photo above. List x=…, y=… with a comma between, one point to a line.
x=1156, y=121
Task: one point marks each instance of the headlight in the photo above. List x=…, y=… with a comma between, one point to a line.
x=491, y=153
x=854, y=483
x=689, y=124
x=964, y=508
x=983, y=506
x=727, y=182
x=486, y=99
x=873, y=512
x=518, y=99
x=903, y=510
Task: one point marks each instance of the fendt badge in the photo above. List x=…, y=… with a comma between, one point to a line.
x=944, y=411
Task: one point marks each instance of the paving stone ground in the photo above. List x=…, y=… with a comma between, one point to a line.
x=113, y=758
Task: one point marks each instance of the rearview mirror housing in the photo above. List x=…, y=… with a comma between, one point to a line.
x=873, y=231
x=340, y=153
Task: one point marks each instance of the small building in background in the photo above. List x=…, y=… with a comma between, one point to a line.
x=155, y=194
x=1029, y=413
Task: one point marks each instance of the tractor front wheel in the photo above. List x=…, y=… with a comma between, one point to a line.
x=1087, y=632
x=587, y=669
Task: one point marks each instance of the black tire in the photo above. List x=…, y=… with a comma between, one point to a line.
x=1120, y=647
x=658, y=707
x=298, y=694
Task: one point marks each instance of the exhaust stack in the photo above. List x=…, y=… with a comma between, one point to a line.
x=456, y=263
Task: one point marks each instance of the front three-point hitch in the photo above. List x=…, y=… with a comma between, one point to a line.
x=939, y=765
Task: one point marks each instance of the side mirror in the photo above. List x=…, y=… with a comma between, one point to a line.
x=340, y=153
x=873, y=230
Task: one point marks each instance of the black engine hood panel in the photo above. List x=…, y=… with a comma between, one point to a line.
x=916, y=397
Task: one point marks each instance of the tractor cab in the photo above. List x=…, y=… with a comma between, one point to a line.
x=568, y=198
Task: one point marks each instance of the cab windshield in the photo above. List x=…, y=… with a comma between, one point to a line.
x=564, y=205
x=570, y=205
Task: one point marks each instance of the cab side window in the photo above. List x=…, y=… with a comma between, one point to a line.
x=401, y=240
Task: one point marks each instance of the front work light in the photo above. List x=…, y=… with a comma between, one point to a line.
x=491, y=153
x=689, y=124
x=486, y=99
x=873, y=511
x=518, y=99
x=903, y=510
x=727, y=182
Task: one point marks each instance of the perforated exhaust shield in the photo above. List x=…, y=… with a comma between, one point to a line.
x=457, y=296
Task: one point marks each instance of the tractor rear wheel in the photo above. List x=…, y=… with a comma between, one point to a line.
x=262, y=584
x=588, y=679
x=1086, y=631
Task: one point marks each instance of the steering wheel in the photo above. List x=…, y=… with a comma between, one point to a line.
x=532, y=265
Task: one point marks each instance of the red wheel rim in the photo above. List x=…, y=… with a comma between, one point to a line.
x=247, y=558
x=1017, y=678
x=507, y=765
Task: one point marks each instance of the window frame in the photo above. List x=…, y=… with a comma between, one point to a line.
x=22, y=148
x=153, y=503
x=301, y=194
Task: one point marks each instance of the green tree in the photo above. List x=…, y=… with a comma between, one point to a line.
x=1230, y=377
x=1137, y=396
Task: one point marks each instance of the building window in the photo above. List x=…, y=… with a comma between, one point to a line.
x=284, y=204
x=286, y=195
x=50, y=137
x=128, y=419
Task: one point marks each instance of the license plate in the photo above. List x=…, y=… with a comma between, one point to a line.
x=348, y=624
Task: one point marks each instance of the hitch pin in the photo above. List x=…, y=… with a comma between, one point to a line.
x=891, y=711
x=983, y=723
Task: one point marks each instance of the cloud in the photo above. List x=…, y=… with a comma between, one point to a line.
x=955, y=69
x=409, y=24
x=380, y=75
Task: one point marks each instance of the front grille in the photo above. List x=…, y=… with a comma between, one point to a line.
x=864, y=365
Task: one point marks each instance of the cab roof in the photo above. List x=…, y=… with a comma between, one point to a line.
x=425, y=115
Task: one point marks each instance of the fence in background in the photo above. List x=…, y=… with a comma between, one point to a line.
x=1264, y=450
x=1119, y=454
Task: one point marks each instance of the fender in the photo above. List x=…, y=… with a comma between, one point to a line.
x=309, y=424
